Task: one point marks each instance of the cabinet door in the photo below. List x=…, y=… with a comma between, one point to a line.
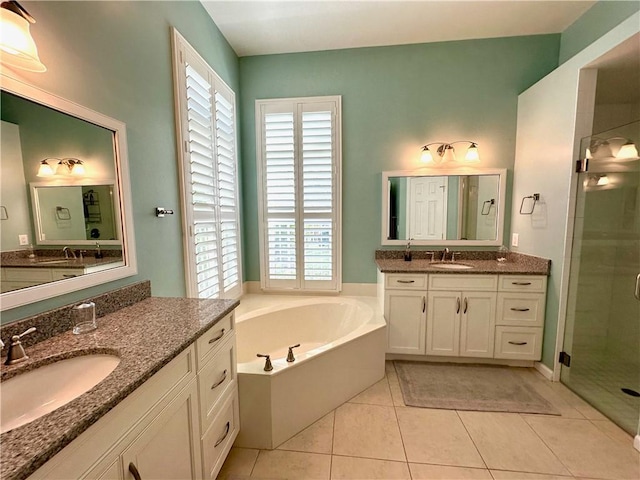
x=477, y=324
x=443, y=323
x=405, y=314
x=168, y=448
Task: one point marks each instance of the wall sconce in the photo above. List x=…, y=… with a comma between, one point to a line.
x=17, y=47
x=66, y=166
x=604, y=148
x=447, y=153
x=598, y=180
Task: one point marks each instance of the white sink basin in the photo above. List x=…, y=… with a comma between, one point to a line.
x=35, y=393
x=452, y=266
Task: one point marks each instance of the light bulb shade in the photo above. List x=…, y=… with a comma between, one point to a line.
x=77, y=169
x=448, y=154
x=426, y=156
x=17, y=48
x=602, y=180
x=45, y=169
x=628, y=150
x=472, y=154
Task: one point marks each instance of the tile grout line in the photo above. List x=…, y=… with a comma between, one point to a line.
x=333, y=440
x=473, y=441
x=395, y=414
x=545, y=443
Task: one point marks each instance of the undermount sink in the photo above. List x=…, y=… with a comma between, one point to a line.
x=452, y=266
x=35, y=393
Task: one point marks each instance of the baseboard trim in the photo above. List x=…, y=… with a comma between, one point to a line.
x=545, y=371
x=636, y=442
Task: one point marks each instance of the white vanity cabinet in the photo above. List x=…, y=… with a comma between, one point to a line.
x=405, y=301
x=461, y=322
x=520, y=319
x=464, y=315
x=172, y=426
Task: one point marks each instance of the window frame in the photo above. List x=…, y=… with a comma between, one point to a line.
x=295, y=105
x=182, y=52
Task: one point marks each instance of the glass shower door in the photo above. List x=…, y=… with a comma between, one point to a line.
x=602, y=336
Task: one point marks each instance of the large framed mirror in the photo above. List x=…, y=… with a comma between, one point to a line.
x=62, y=229
x=454, y=207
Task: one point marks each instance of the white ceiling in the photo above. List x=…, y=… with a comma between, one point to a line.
x=268, y=27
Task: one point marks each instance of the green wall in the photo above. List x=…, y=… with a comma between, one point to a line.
x=115, y=57
x=593, y=24
x=395, y=99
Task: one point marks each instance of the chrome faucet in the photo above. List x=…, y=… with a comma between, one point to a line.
x=16, y=353
x=444, y=254
x=66, y=251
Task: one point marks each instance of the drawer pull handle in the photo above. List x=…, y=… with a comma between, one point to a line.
x=517, y=343
x=519, y=309
x=69, y=276
x=219, y=382
x=521, y=283
x=220, y=335
x=221, y=439
x=406, y=281
x=134, y=471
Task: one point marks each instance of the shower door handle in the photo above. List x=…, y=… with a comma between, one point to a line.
x=637, y=292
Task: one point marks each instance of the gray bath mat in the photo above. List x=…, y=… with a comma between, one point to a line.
x=486, y=388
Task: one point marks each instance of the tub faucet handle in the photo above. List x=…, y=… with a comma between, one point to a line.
x=267, y=363
x=290, y=357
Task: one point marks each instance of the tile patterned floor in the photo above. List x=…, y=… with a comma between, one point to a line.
x=375, y=436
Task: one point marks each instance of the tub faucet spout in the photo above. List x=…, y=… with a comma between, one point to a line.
x=267, y=363
x=290, y=357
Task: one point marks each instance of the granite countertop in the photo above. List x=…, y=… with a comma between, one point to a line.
x=58, y=262
x=516, y=264
x=146, y=336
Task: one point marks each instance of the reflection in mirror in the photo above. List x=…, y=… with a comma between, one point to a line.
x=443, y=207
x=76, y=214
x=87, y=210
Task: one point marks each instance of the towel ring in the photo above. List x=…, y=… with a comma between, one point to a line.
x=535, y=197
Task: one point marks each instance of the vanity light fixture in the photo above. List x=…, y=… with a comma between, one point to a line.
x=17, y=47
x=66, y=166
x=447, y=153
x=604, y=148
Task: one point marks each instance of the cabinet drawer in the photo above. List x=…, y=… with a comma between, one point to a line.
x=64, y=273
x=521, y=309
x=214, y=379
x=457, y=282
x=523, y=283
x=39, y=275
x=217, y=441
x=518, y=343
x=213, y=339
x=405, y=282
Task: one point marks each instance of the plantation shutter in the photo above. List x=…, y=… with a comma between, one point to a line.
x=207, y=127
x=299, y=164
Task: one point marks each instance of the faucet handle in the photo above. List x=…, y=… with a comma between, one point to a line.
x=432, y=255
x=26, y=332
x=453, y=255
x=16, y=352
x=290, y=357
x=267, y=364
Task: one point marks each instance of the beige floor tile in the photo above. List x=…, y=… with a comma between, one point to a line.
x=377, y=394
x=369, y=431
x=292, y=465
x=442, y=472
x=613, y=431
x=506, y=443
x=587, y=451
x=504, y=475
x=240, y=461
x=544, y=388
x=354, y=468
x=436, y=436
x=317, y=438
x=394, y=385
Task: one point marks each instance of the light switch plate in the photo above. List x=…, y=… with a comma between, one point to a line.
x=515, y=238
x=24, y=239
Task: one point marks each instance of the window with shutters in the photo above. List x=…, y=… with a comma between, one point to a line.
x=299, y=159
x=206, y=124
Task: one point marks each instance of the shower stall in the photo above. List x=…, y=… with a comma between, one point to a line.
x=601, y=357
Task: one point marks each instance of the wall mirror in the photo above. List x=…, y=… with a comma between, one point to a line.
x=65, y=208
x=457, y=207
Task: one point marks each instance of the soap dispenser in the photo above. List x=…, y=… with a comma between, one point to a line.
x=407, y=252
